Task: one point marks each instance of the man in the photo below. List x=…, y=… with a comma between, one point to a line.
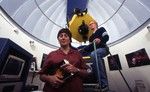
x=100, y=37
x=53, y=81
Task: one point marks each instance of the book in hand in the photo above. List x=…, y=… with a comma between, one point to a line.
x=58, y=70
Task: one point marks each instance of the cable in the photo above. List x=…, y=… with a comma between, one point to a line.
x=46, y=15
x=113, y=14
x=119, y=70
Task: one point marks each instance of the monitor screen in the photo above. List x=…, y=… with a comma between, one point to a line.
x=13, y=67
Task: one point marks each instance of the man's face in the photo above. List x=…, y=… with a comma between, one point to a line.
x=64, y=39
x=92, y=25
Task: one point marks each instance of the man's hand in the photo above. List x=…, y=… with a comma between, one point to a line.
x=55, y=81
x=70, y=68
x=97, y=40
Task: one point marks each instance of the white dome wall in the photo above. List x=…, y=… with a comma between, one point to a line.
x=43, y=17
x=20, y=38
x=136, y=42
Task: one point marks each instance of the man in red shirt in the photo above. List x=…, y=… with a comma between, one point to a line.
x=76, y=66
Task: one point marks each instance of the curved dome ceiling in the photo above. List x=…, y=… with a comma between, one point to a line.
x=43, y=18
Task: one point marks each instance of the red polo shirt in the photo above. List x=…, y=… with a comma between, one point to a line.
x=72, y=85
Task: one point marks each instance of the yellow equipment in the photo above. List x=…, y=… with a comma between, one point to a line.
x=74, y=24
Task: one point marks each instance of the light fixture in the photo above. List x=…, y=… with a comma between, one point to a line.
x=31, y=43
x=15, y=30
x=148, y=27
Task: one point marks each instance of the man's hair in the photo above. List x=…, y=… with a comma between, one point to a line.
x=65, y=30
x=94, y=22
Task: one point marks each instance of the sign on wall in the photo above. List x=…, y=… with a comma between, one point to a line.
x=114, y=62
x=138, y=58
